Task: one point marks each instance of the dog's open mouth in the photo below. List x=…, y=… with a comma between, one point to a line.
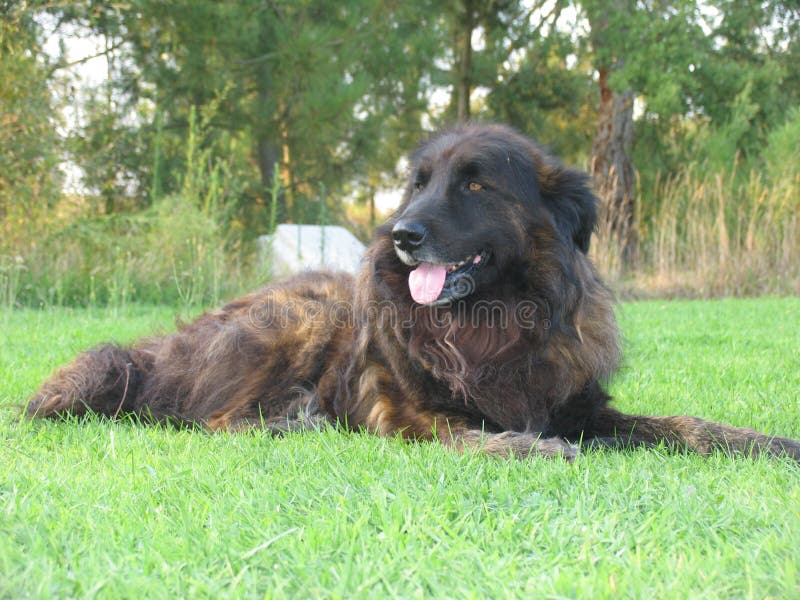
x=436, y=284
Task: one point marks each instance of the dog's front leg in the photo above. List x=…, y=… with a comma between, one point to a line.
x=450, y=431
x=383, y=409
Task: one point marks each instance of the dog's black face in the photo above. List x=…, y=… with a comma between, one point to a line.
x=479, y=201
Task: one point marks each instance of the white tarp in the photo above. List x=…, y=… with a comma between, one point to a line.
x=294, y=248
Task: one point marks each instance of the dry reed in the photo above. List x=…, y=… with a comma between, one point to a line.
x=705, y=235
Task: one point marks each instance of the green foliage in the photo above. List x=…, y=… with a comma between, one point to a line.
x=539, y=92
x=720, y=146
x=29, y=144
x=113, y=155
x=122, y=510
x=305, y=86
x=782, y=152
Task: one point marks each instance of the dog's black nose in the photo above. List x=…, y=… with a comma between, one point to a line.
x=409, y=235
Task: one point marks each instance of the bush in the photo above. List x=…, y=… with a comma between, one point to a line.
x=179, y=251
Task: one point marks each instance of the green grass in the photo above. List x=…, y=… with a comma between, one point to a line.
x=99, y=509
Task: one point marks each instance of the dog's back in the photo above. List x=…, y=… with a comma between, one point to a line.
x=255, y=361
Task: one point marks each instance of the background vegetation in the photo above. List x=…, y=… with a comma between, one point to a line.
x=152, y=184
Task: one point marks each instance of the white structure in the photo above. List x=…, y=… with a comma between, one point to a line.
x=294, y=248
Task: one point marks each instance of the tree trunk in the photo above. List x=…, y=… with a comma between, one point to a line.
x=612, y=168
x=267, y=157
x=267, y=150
x=287, y=175
x=371, y=208
x=463, y=50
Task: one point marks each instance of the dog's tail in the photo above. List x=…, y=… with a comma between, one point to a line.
x=106, y=380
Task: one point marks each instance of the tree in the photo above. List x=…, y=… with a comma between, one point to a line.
x=29, y=144
x=753, y=63
x=542, y=83
x=316, y=87
x=465, y=21
x=611, y=158
x=644, y=52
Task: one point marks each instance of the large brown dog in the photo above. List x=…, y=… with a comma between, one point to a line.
x=477, y=320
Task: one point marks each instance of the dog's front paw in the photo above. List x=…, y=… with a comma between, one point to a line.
x=556, y=447
x=530, y=444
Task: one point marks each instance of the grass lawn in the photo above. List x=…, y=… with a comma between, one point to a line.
x=117, y=510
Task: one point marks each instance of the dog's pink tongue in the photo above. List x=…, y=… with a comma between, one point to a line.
x=426, y=282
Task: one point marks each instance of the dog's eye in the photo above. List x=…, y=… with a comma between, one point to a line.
x=474, y=186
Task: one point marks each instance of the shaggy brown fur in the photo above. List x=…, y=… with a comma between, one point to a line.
x=510, y=358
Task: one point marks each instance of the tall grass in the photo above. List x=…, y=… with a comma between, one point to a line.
x=173, y=253
x=708, y=234
x=701, y=234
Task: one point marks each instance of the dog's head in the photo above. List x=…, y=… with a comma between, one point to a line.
x=483, y=204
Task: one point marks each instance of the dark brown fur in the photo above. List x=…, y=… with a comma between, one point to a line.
x=514, y=367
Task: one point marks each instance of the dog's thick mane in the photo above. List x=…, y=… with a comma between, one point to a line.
x=551, y=333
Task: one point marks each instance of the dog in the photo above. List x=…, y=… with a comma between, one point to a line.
x=477, y=320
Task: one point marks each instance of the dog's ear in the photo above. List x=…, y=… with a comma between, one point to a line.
x=568, y=195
